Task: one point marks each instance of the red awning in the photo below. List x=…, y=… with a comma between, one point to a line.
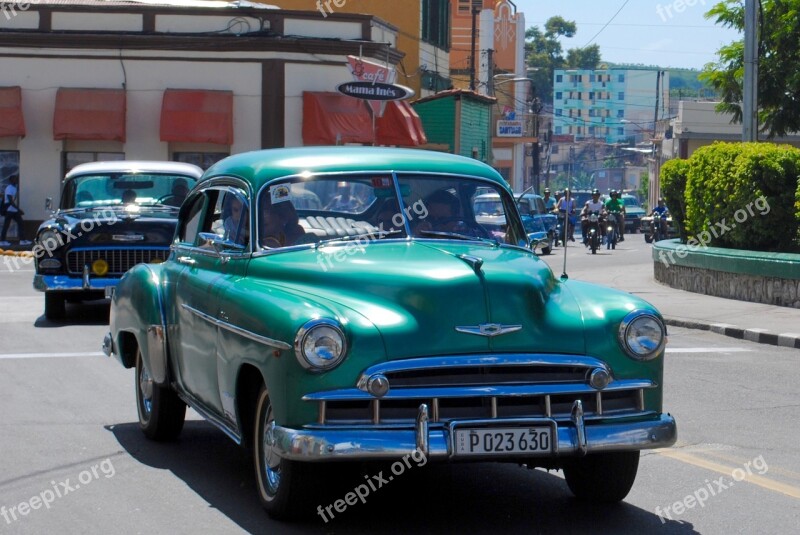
x=197, y=116
x=333, y=119
x=11, y=121
x=400, y=125
x=90, y=114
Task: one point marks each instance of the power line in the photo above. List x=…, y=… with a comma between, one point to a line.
x=607, y=23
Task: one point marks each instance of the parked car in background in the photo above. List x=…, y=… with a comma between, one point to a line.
x=633, y=213
x=540, y=238
x=488, y=206
x=112, y=216
x=395, y=326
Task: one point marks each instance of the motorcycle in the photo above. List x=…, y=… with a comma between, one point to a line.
x=593, y=234
x=657, y=228
x=612, y=234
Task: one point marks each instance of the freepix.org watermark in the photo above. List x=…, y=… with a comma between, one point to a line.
x=323, y=5
x=45, y=499
x=703, y=238
x=711, y=489
x=59, y=239
x=417, y=210
x=677, y=7
x=10, y=8
x=373, y=483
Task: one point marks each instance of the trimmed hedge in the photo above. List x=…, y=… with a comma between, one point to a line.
x=742, y=196
x=673, y=189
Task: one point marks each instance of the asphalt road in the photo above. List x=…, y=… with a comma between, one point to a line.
x=68, y=436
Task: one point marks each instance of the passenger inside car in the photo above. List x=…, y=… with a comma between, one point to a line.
x=236, y=220
x=443, y=211
x=128, y=196
x=279, y=225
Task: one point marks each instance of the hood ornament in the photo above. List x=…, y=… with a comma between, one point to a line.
x=489, y=329
x=127, y=237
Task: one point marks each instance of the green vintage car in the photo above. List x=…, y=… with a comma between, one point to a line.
x=343, y=303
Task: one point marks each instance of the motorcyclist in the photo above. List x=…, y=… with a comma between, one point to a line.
x=662, y=211
x=549, y=202
x=616, y=209
x=592, y=205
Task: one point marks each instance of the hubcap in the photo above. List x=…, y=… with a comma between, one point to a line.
x=146, y=390
x=271, y=460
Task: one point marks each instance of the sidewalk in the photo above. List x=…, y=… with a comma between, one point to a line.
x=755, y=322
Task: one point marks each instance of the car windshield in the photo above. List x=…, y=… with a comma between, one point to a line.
x=533, y=224
x=630, y=201
x=324, y=209
x=126, y=189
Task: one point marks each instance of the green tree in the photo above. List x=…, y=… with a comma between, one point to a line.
x=544, y=52
x=779, y=54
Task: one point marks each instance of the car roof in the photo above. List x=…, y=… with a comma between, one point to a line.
x=136, y=166
x=263, y=166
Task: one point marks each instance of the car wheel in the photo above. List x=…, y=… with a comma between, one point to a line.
x=161, y=411
x=282, y=484
x=54, y=307
x=602, y=477
x=546, y=250
x=648, y=238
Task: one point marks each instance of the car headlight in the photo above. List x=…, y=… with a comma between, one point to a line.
x=50, y=239
x=320, y=345
x=642, y=335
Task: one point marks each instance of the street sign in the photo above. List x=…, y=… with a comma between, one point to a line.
x=375, y=91
x=509, y=128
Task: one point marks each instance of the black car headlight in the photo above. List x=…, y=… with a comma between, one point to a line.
x=642, y=335
x=320, y=345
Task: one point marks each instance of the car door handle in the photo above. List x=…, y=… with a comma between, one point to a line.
x=188, y=260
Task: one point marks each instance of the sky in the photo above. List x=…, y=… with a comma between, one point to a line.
x=651, y=32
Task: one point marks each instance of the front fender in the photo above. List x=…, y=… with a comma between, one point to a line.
x=137, y=321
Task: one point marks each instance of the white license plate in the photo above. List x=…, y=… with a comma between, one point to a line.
x=503, y=441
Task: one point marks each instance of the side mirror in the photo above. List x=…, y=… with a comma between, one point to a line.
x=48, y=204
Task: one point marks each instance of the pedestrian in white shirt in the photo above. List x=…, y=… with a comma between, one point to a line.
x=11, y=211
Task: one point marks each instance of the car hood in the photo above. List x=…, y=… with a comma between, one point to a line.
x=431, y=298
x=114, y=227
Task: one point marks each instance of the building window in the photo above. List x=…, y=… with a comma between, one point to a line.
x=621, y=95
x=559, y=95
x=591, y=130
x=591, y=95
x=71, y=159
x=436, y=23
x=9, y=165
x=554, y=149
x=621, y=113
x=620, y=131
x=434, y=81
x=559, y=112
x=204, y=160
x=558, y=130
x=592, y=77
x=621, y=78
x=559, y=78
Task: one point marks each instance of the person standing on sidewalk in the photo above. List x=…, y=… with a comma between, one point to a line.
x=12, y=212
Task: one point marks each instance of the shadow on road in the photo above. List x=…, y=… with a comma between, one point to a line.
x=446, y=498
x=83, y=313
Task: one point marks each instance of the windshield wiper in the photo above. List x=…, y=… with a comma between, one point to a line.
x=349, y=237
x=457, y=236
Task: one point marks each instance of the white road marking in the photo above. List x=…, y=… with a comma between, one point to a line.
x=708, y=350
x=50, y=355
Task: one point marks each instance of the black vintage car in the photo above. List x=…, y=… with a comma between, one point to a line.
x=112, y=216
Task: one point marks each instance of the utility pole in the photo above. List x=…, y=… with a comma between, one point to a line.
x=750, y=89
x=472, y=74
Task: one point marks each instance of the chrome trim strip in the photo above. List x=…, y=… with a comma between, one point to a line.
x=513, y=359
x=278, y=344
x=364, y=444
x=213, y=419
x=554, y=389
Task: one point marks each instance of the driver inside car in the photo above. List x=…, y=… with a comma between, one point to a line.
x=443, y=209
x=280, y=225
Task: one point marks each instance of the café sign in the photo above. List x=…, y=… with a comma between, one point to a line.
x=509, y=128
x=375, y=91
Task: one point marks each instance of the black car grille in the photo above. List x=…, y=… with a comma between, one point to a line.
x=119, y=260
x=515, y=388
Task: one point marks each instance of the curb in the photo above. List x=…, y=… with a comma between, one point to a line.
x=759, y=336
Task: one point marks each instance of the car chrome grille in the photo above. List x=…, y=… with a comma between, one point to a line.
x=517, y=387
x=119, y=260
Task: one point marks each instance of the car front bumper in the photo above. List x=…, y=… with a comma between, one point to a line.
x=576, y=437
x=71, y=283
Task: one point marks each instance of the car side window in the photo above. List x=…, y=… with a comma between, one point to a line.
x=190, y=225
